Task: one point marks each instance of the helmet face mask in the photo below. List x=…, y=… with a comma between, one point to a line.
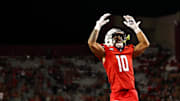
x=118, y=35
x=115, y=37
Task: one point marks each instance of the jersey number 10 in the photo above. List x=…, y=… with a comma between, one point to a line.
x=122, y=63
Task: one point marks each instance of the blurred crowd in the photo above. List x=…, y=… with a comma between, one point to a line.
x=83, y=78
x=157, y=74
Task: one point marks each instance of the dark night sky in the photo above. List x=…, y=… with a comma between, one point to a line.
x=66, y=22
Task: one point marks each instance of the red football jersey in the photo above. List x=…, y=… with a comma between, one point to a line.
x=119, y=68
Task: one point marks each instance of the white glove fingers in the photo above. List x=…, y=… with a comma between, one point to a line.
x=106, y=21
x=128, y=18
x=102, y=21
x=125, y=17
x=105, y=16
x=126, y=23
x=138, y=23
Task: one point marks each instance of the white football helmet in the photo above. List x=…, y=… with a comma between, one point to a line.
x=108, y=37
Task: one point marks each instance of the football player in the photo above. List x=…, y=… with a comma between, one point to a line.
x=117, y=56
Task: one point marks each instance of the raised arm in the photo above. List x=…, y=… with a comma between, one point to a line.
x=95, y=47
x=143, y=41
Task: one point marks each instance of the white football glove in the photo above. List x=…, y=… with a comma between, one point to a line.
x=102, y=21
x=130, y=22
